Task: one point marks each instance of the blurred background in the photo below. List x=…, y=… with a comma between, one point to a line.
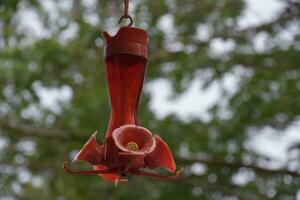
x=222, y=89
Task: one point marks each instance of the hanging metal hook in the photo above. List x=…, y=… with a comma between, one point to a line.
x=123, y=17
x=126, y=15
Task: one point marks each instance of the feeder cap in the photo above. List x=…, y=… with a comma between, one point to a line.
x=128, y=40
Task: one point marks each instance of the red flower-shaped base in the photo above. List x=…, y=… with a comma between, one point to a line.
x=130, y=149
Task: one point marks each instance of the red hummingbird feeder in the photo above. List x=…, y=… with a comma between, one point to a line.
x=127, y=148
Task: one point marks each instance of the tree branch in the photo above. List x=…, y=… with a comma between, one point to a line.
x=238, y=165
x=22, y=129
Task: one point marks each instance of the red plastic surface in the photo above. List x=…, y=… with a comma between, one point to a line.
x=125, y=71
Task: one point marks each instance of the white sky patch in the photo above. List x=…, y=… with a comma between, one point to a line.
x=174, y=46
x=65, y=5
x=261, y=42
x=298, y=195
x=3, y=143
x=260, y=11
x=286, y=37
x=69, y=33
x=166, y=25
x=51, y=8
x=243, y=177
x=16, y=187
x=30, y=24
x=89, y=3
x=37, y=181
x=198, y=169
x=53, y=98
x=53, y=11
x=4, y=108
x=196, y=101
x=32, y=111
x=220, y=47
x=192, y=102
x=27, y=147
x=91, y=19
x=204, y=32
x=29, y=21
x=90, y=14
x=24, y=175
x=273, y=143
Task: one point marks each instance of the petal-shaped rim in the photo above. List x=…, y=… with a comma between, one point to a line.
x=90, y=144
x=137, y=134
x=91, y=151
x=161, y=156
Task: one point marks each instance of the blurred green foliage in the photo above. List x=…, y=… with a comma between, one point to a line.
x=35, y=139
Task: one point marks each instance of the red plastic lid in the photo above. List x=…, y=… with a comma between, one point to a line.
x=128, y=40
